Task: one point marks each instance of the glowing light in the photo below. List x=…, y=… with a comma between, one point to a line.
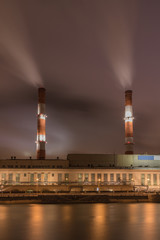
x=42, y=116
x=41, y=138
x=128, y=114
x=129, y=119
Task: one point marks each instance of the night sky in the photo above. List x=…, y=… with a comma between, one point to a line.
x=86, y=54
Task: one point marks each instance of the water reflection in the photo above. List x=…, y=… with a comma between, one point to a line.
x=149, y=213
x=36, y=214
x=67, y=213
x=149, y=223
x=3, y=221
x=3, y=213
x=80, y=221
x=35, y=222
x=98, y=224
x=144, y=221
x=133, y=213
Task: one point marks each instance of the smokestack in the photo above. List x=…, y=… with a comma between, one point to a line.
x=41, y=124
x=128, y=122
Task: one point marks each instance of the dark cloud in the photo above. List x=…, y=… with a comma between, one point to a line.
x=65, y=100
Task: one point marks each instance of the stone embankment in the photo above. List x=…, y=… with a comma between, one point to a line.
x=78, y=198
x=74, y=193
x=75, y=187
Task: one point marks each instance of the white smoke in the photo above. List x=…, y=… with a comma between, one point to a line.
x=14, y=44
x=121, y=20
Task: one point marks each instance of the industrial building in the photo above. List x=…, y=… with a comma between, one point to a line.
x=87, y=169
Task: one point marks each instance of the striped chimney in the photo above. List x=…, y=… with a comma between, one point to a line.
x=128, y=122
x=41, y=124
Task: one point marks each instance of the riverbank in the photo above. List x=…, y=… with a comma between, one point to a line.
x=79, y=198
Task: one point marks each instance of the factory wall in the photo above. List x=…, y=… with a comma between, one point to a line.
x=150, y=177
x=114, y=160
x=83, y=168
x=34, y=163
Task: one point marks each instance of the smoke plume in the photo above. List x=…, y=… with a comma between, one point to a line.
x=121, y=21
x=14, y=44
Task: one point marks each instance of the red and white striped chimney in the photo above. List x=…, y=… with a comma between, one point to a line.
x=41, y=124
x=128, y=122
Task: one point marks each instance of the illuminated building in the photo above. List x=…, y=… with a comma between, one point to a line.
x=104, y=169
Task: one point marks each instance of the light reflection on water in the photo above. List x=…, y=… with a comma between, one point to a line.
x=80, y=221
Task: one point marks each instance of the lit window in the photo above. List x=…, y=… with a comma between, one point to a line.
x=154, y=179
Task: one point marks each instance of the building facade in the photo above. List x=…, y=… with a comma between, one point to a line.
x=104, y=169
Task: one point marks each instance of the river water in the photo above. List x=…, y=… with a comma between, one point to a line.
x=80, y=221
